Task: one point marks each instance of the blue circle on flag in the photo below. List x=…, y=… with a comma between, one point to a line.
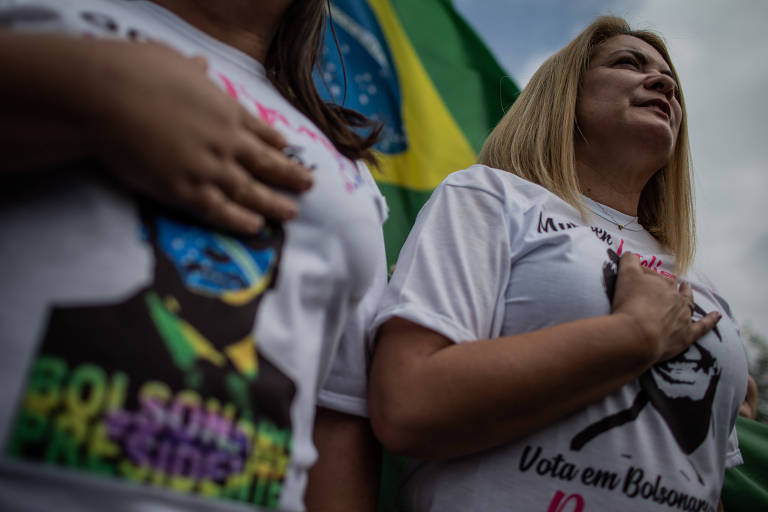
x=371, y=87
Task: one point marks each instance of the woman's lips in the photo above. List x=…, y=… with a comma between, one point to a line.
x=659, y=106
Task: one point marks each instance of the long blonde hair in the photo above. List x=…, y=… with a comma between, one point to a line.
x=535, y=140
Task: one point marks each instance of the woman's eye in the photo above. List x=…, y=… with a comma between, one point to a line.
x=627, y=60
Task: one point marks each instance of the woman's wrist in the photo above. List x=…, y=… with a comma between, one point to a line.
x=642, y=342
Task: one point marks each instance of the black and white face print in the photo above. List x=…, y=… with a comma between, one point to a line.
x=681, y=389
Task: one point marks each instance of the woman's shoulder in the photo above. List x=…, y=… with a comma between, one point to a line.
x=506, y=186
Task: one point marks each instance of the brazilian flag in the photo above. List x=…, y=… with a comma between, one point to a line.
x=417, y=66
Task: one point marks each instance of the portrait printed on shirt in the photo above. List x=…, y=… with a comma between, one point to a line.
x=168, y=387
x=681, y=389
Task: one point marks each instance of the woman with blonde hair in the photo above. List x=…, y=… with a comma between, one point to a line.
x=544, y=341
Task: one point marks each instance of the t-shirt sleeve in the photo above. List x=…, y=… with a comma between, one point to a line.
x=733, y=456
x=346, y=389
x=453, y=269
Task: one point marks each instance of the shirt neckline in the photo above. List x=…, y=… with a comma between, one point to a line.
x=628, y=222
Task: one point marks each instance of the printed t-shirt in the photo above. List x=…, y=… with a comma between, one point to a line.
x=151, y=362
x=493, y=255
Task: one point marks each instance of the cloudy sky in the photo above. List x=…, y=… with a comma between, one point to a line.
x=720, y=50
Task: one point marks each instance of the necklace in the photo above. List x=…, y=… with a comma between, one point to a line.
x=607, y=215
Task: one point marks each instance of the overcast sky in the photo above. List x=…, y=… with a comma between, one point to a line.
x=720, y=50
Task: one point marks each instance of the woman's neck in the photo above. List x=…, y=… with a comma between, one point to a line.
x=617, y=182
x=615, y=172
x=608, y=190
x=246, y=25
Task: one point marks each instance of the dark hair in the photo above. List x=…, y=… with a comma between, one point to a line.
x=290, y=61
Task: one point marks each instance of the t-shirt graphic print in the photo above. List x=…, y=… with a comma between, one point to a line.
x=681, y=389
x=167, y=387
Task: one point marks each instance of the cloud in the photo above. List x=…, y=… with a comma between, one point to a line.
x=719, y=50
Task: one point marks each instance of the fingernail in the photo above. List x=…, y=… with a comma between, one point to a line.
x=293, y=152
x=251, y=228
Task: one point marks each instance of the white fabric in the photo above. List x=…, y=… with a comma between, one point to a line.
x=76, y=255
x=494, y=255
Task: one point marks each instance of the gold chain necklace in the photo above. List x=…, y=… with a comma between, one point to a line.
x=611, y=218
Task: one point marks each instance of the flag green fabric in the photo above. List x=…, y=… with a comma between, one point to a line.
x=420, y=68
x=746, y=487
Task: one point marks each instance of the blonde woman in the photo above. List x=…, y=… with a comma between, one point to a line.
x=545, y=343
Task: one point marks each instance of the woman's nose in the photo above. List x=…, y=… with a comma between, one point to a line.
x=662, y=83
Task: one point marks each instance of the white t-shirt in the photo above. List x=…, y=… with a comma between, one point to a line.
x=132, y=375
x=492, y=255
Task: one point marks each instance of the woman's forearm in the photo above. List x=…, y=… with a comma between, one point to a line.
x=431, y=398
x=346, y=473
x=49, y=100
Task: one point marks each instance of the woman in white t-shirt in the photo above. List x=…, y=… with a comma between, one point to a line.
x=544, y=342
x=155, y=329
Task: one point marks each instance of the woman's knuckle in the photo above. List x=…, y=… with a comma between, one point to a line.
x=265, y=160
x=232, y=180
x=210, y=199
x=178, y=189
x=260, y=193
